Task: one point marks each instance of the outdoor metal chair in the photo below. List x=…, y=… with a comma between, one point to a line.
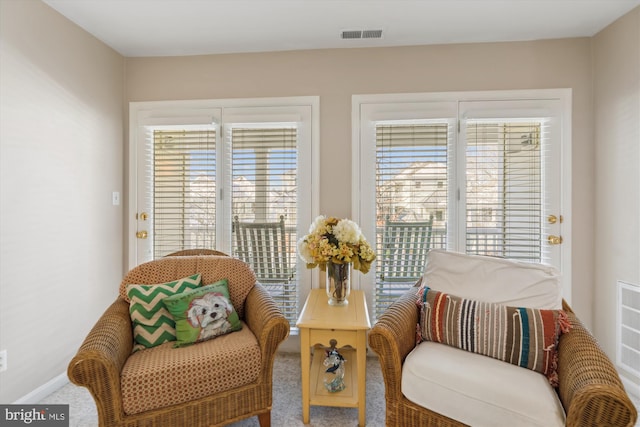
x=404, y=252
x=263, y=246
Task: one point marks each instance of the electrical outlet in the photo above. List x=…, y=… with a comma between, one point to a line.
x=3, y=360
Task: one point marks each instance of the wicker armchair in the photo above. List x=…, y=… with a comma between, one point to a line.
x=107, y=350
x=192, y=252
x=590, y=389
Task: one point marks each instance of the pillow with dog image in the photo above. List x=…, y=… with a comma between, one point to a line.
x=203, y=313
x=152, y=323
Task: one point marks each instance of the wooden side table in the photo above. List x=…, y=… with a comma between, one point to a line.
x=348, y=325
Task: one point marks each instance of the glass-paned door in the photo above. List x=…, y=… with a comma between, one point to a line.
x=475, y=176
x=205, y=173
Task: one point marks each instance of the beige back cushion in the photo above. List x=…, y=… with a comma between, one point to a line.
x=495, y=280
x=213, y=268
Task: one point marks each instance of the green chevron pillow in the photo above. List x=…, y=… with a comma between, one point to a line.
x=152, y=323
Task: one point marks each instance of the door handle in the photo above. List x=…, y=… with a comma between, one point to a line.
x=555, y=240
x=141, y=234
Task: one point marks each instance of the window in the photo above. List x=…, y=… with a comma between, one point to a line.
x=491, y=168
x=203, y=166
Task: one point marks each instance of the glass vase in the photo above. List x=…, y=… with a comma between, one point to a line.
x=338, y=283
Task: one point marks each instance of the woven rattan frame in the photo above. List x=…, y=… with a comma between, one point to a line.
x=192, y=252
x=100, y=359
x=590, y=389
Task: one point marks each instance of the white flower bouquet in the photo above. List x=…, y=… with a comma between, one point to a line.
x=339, y=241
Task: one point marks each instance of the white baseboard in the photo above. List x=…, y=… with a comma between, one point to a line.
x=631, y=387
x=291, y=344
x=35, y=396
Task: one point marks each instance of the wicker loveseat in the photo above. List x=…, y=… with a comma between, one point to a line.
x=105, y=358
x=589, y=390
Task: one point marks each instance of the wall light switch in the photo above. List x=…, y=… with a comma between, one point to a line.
x=115, y=198
x=3, y=360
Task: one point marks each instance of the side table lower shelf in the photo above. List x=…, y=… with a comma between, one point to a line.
x=348, y=397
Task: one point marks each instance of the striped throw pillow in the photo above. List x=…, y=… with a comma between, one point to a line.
x=152, y=323
x=525, y=337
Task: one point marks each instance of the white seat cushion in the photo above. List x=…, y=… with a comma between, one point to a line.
x=497, y=280
x=478, y=390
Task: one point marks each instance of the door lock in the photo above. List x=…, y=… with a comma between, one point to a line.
x=141, y=234
x=552, y=219
x=555, y=240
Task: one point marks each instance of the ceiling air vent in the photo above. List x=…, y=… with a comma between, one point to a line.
x=359, y=34
x=352, y=34
x=372, y=34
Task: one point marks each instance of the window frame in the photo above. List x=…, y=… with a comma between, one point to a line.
x=221, y=113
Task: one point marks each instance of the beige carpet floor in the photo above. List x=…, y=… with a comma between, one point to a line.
x=287, y=403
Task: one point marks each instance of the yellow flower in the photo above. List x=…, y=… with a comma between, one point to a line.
x=335, y=240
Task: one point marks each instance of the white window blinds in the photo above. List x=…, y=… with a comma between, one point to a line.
x=184, y=189
x=504, y=189
x=264, y=165
x=264, y=172
x=411, y=203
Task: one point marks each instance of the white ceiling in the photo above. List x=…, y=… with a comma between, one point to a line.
x=194, y=27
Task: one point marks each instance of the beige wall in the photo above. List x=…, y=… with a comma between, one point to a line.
x=616, y=54
x=61, y=108
x=337, y=74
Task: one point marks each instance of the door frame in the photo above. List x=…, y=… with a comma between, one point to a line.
x=150, y=112
x=394, y=106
